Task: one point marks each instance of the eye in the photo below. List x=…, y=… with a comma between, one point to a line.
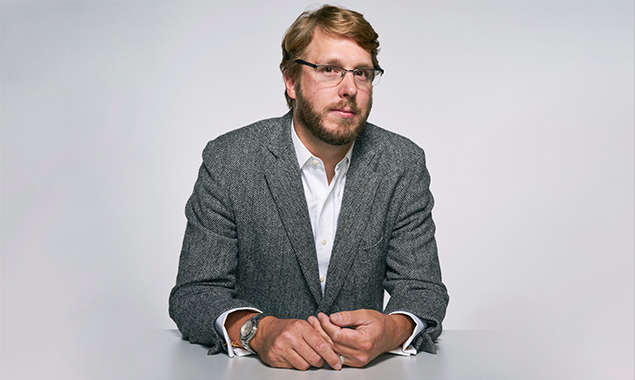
x=328, y=70
x=361, y=74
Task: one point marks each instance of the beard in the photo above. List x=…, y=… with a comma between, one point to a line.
x=347, y=130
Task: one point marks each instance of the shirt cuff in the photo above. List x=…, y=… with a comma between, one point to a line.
x=406, y=349
x=220, y=327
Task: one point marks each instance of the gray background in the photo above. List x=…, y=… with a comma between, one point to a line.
x=525, y=110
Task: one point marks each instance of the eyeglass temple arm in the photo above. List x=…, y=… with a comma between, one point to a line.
x=303, y=62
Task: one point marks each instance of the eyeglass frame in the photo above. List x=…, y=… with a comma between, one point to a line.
x=344, y=71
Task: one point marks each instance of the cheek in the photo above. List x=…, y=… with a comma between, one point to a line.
x=314, y=91
x=363, y=99
x=321, y=98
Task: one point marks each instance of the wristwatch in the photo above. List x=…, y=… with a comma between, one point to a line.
x=248, y=331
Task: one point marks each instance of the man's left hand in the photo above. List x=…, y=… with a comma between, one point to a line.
x=362, y=335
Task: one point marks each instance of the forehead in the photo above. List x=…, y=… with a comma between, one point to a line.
x=336, y=50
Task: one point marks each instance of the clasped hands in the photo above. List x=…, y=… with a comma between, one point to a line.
x=358, y=336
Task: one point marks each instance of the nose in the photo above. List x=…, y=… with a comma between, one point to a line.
x=348, y=87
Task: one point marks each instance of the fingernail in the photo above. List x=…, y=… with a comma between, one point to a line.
x=336, y=317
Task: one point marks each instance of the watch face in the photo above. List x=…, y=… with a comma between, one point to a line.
x=246, y=328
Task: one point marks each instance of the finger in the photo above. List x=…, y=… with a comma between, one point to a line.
x=312, y=357
x=348, y=337
x=332, y=331
x=320, y=346
x=315, y=323
x=350, y=318
x=353, y=356
x=338, y=336
x=296, y=361
x=309, y=349
x=351, y=361
x=296, y=347
x=327, y=326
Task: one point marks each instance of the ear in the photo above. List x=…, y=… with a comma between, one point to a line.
x=289, y=83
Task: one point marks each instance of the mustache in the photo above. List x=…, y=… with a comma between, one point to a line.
x=351, y=105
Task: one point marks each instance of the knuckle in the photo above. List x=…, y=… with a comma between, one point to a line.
x=302, y=365
x=270, y=360
x=321, y=346
x=265, y=358
x=298, y=324
x=282, y=364
x=286, y=335
x=315, y=360
x=278, y=345
x=366, y=345
x=363, y=359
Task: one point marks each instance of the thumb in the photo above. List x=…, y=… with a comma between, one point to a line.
x=346, y=318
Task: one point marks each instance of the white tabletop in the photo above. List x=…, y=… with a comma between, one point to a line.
x=461, y=355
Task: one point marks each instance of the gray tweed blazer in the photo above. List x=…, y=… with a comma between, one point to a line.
x=249, y=243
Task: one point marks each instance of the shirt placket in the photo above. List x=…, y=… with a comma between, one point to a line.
x=324, y=238
x=324, y=230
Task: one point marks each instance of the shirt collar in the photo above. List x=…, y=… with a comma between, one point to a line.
x=303, y=153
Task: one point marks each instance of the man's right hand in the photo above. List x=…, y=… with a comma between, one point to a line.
x=292, y=343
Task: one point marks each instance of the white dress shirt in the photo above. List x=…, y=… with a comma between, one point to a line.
x=324, y=201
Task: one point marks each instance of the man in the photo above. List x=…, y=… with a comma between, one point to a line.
x=297, y=224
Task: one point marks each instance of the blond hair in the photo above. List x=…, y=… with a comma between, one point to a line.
x=331, y=20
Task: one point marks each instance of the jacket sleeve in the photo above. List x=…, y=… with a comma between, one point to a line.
x=413, y=274
x=206, y=280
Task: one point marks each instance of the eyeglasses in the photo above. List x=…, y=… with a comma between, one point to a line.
x=334, y=75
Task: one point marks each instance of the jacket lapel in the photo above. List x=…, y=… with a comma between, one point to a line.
x=359, y=192
x=284, y=180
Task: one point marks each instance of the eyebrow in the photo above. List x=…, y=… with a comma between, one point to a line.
x=338, y=63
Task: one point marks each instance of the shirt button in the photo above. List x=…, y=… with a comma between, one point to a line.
x=324, y=242
x=314, y=162
x=322, y=278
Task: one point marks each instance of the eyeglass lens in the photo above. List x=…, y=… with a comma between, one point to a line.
x=334, y=74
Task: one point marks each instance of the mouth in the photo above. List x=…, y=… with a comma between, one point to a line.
x=345, y=113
